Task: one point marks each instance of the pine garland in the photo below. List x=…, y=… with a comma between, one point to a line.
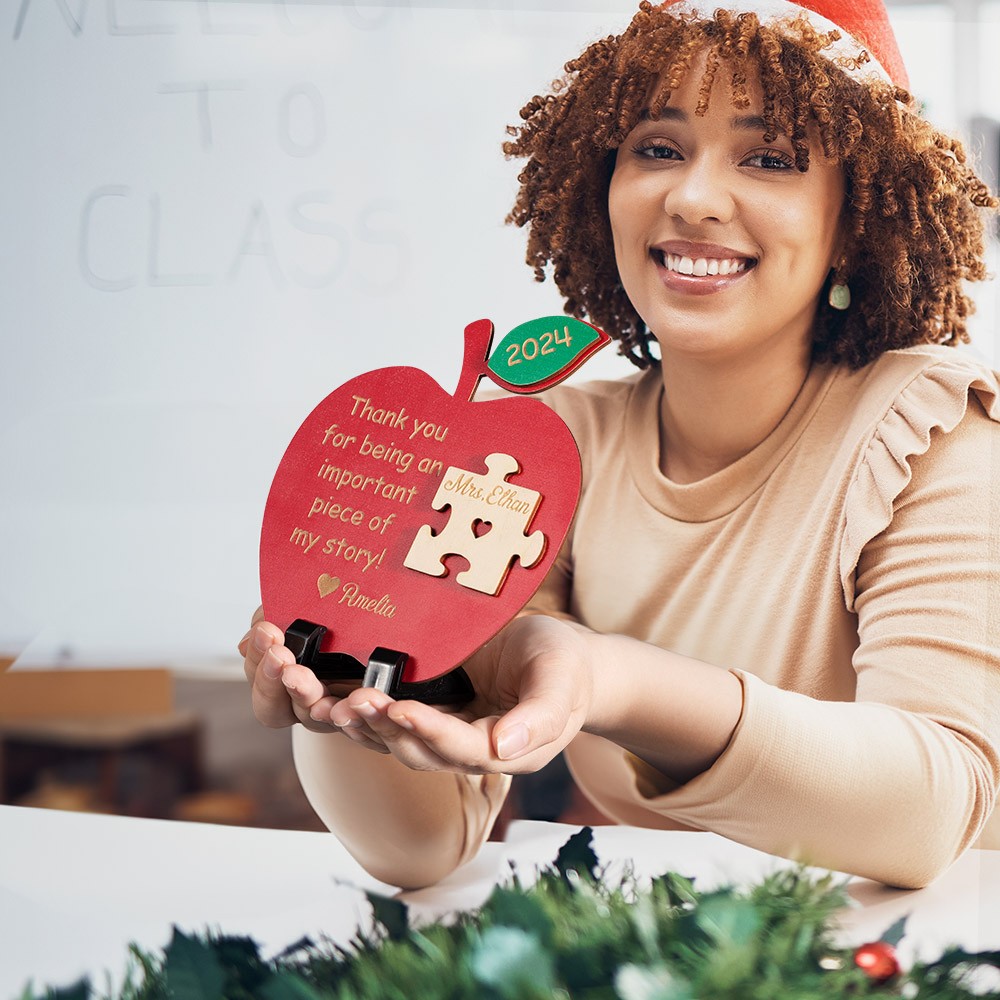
x=569, y=935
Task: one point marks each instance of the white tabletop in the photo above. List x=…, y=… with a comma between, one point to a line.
x=76, y=888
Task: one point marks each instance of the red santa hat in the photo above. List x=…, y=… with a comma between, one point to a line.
x=863, y=24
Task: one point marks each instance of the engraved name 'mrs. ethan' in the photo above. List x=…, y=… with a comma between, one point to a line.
x=501, y=495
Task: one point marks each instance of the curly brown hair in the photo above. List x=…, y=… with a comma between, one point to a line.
x=912, y=219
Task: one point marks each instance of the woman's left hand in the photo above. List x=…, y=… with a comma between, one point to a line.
x=533, y=685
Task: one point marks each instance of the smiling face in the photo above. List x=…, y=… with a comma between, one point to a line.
x=722, y=244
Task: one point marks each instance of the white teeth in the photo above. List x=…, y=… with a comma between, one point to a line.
x=701, y=266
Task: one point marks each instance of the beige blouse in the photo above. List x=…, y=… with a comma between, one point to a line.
x=848, y=570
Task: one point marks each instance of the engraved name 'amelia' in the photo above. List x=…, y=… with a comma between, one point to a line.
x=499, y=496
x=351, y=596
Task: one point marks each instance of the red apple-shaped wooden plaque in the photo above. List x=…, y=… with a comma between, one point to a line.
x=406, y=518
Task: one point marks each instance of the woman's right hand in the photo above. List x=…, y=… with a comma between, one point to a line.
x=284, y=692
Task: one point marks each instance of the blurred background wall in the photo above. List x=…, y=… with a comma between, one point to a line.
x=213, y=212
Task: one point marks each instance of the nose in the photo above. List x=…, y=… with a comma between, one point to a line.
x=698, y=191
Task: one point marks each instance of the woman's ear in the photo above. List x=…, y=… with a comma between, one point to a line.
x=839, y=254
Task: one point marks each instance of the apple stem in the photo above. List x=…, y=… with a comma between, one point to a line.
x=478, y=338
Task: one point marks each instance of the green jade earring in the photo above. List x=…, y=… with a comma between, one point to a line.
x=840, y=296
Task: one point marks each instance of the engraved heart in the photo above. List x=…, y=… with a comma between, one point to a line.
x=327, y=584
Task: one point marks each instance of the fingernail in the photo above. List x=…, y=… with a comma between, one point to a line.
x=402, y=720
x=512, y=741
x=349, y=724
x=272, y=668
x=367, y=709
x=261, y=640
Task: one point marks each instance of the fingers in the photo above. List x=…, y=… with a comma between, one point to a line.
x=434, y=736
x=265, y=662
x=537, y=683
x=548, y=691
x=533, y=672
x=489, y=745
x=257, y=642
x=373, y=715
x=283, y=692
x=311, y=703
x=550, y=704
x=425, y=738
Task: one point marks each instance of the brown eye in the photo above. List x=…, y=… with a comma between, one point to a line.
x=770, y=159
x=656, y=149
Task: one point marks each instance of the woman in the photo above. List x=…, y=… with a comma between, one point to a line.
x=776, y=617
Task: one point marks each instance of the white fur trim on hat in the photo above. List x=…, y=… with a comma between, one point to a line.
x=862, y=24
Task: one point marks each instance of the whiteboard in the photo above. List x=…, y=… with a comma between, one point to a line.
x=214, y=212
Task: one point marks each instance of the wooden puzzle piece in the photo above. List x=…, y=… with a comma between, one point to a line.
x=477, y=499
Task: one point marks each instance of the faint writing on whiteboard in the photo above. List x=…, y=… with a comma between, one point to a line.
x=129, y=237
x=300, y=114
x=237, y=183
x=131, y=18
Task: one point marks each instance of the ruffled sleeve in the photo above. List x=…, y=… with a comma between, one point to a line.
x=896, y=781
x=935, y=400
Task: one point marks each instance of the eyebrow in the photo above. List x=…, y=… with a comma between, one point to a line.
x=744, y=123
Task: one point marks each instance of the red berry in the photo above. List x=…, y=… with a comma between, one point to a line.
x=878, y=960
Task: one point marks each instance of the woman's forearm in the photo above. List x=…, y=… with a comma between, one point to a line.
x=867, y=788
x=407, y=828
x=675, y=713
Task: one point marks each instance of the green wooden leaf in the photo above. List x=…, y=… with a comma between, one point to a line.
x=542, y=352
x=192, y=971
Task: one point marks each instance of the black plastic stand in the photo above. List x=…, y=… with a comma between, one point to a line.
x=384, y=670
